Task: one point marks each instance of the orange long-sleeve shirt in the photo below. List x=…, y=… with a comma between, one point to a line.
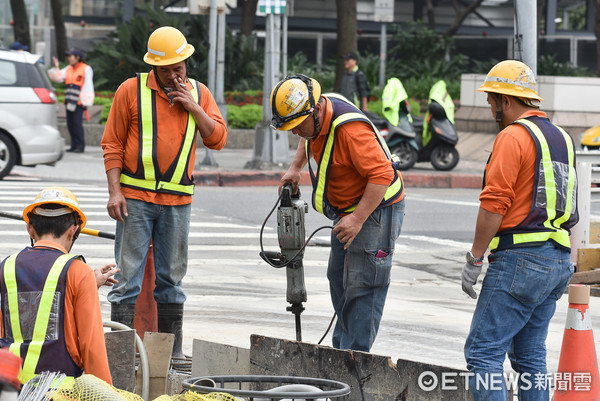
x=509, y=174
x=120, y=141
x=357, y=160
x=84, y=333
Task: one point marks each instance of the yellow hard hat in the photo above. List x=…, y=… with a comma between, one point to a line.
x=55, y=195
x=292, y=100
x=167, y=46
x=513, y=78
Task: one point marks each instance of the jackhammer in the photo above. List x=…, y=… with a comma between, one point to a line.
x=291, y=235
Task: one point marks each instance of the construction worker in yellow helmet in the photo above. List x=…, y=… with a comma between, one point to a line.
x=149, y=148
x=356, y=186
x=50, y=296
x=527, y=207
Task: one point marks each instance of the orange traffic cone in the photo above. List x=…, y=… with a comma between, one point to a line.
x=146, y=315
x=10, y=364
x=577, y=377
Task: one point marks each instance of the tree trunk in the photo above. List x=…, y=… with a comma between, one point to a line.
x=346, y=34
x=430, y=15
x=461, y=14
x=597, y=32
x=60, y=32
x=248, y=17
x=20, y=21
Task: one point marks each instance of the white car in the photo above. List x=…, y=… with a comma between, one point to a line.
x=28, y=128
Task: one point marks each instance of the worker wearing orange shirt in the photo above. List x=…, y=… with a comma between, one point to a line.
x=149, y=148
x=527, y=207
x=50, y=311
x=356, y=186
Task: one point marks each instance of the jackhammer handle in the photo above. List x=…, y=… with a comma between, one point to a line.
x=270, y=256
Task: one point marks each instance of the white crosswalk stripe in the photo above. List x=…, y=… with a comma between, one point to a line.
x=206, y=238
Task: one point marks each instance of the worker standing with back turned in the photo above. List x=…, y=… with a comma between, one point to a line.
x=527, y=207
x=49, y=306
x=357, y=187
x=149, y=154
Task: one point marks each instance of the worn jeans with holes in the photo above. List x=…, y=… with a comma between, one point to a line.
x=517, y=300
x=359, y=278
x=168, y=228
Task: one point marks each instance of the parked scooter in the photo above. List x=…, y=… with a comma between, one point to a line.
x=412, y=139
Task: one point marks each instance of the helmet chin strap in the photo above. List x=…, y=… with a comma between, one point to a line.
x=499, y=111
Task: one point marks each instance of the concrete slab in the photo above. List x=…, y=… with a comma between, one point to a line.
x=371, y=377
x=211, y=359
x=120, y=349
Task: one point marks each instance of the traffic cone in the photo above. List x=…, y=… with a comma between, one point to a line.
x=577, y=377
x=146, y=314
x=10, y=365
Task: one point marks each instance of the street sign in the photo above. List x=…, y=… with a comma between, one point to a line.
x=384, y=11
x=271, y=6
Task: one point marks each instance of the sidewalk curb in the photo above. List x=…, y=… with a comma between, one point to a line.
x=273, y=178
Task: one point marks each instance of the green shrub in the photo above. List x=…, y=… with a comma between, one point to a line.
x=245, y=116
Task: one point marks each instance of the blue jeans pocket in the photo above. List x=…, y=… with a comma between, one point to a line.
x=377, y=269
x=526, y=273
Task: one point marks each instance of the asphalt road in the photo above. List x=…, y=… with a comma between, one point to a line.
x=232, y=293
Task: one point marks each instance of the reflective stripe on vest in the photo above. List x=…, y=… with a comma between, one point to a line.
x=320, y=201
x=551, y=200
x=72, y=85
x=148, y=177
x=27, y=371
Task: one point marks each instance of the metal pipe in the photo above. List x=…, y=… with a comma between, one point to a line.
x=87, y=231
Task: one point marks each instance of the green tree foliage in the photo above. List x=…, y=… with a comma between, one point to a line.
x=121, y=55
x=419, y=53
x=324, y=74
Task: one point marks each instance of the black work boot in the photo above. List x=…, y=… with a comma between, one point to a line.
x=170, y=320
x=123, y=313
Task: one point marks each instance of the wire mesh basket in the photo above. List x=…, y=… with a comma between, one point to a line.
x=270, y=388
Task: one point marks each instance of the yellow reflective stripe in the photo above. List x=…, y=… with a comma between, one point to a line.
x=572, y=180
x=549, y=182
x=147, y=127
x=319, y=191
x=146, y=136
x=188, y=189
x=362, y=116
x=187, y=145
x=557, y=234
x=138, y=182
x=393, y=189
x=10, y=278
x=322, y=178
x=41, y=321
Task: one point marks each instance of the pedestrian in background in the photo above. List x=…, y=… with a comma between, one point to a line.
x=357, y=187
x=79, y=94
x=527, y=207
x=354, y=84
x=50, y=310
x=149, y=148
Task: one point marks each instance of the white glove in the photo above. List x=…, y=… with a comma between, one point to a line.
x=469, y=278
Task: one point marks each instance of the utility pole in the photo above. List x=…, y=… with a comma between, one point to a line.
x=525, y=40
x=271, y=147
x=216, y=57
x=383, y=13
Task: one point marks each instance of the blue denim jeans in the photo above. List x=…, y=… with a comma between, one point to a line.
x=517, y=300
x=359, y=278
x=168, y=228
